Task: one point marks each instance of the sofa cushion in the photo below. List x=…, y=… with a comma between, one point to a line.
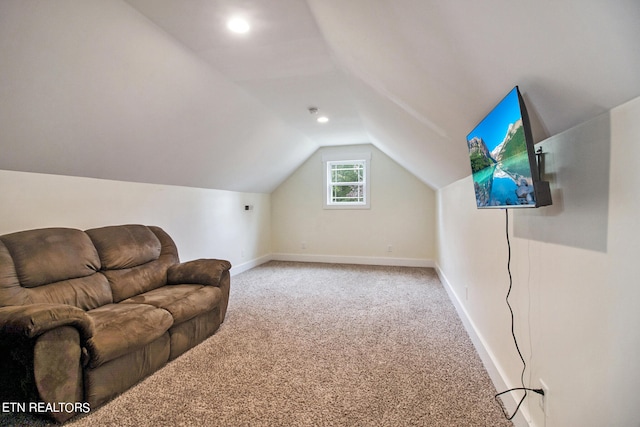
x=50, y=255
x=125, y=246
x=86, y=293
x=184, y=302
x=49, y=271
x=135, y=258
x=123, y=328
x=129, y=282
x=168, y=246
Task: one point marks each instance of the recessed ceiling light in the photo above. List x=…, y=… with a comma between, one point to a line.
x=323, y=119
x=238, y=25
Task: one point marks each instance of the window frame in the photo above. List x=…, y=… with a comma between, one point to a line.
x=341, y=159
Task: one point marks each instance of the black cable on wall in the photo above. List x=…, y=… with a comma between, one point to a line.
x=513, y=334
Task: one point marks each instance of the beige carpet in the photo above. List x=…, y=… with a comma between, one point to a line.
x=320, y=345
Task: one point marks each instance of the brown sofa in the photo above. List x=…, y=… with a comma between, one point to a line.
x=84, y=315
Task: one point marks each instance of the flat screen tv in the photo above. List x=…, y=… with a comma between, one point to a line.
x=503, y=162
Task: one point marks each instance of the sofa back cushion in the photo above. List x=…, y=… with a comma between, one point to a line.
x=125, y=246
x=51, y=265
x=133, y=257
x=50, y=255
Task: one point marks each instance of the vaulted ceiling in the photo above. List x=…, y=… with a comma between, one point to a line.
x=160, y=91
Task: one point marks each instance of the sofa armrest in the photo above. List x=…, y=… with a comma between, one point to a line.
x=200, y=271
x=32, y=320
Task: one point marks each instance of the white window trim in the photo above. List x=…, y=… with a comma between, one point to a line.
x=346, y=157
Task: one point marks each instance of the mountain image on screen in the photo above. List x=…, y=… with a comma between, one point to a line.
x=499, y=158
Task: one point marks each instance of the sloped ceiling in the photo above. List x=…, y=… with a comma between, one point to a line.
x=175, y=98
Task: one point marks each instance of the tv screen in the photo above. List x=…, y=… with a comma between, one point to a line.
x=503, y=162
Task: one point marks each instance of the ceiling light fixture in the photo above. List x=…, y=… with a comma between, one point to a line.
x=238, y=25
x=321, y=119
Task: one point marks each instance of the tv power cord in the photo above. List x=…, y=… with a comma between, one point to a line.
x=515, y=340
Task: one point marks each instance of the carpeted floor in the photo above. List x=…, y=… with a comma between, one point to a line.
x=320, y=345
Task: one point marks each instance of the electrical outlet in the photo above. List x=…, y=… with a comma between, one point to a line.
x=466, y=293
x=544, y=400
x=303, y=245
x=389, y=248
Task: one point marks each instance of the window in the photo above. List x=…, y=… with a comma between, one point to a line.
x=346, y=182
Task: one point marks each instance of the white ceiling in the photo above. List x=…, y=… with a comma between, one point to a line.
x=284, y=61
x=159, y=91
x=414, y=76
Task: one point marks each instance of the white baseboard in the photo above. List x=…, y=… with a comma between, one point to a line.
x=339, y=259
x=496, y=374
x=237, y=269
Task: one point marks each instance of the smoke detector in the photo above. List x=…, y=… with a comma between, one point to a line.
x=321, y=119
